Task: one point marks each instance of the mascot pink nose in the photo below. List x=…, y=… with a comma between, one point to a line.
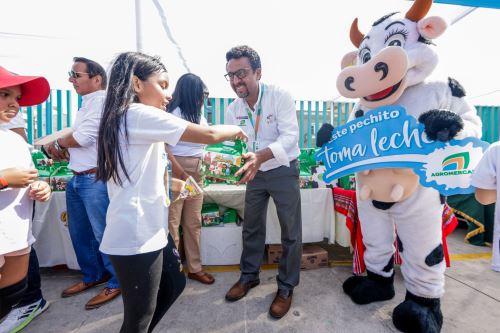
x=379, y=67
x=384, y=70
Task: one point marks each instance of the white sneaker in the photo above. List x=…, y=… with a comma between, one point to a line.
x=20, y=317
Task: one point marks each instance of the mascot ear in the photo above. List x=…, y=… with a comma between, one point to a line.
x=349, y=59
x=432, y=27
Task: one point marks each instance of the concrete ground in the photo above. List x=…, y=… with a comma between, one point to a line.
x=471, y=303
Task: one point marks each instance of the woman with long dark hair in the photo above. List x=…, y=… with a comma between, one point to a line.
x=132, y=160
x=187, y=102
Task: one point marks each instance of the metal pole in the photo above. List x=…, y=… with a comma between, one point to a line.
x=464, y=14
x=138, y=28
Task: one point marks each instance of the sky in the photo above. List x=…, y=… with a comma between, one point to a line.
x=301, y=43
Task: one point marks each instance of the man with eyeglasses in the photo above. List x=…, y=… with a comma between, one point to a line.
x=267, y=115
x=87, y=200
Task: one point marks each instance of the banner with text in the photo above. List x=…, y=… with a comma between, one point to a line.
x=389, y=138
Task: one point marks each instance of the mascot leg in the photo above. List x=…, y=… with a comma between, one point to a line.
x=419, y=228
x=378, y=236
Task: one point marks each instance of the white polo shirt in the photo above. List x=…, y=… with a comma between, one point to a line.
x=85, y=130
x=15, y=206
x=137, y=216
x=188, y=149
x=278, y=128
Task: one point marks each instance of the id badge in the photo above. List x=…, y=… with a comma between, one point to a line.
x=255, y=146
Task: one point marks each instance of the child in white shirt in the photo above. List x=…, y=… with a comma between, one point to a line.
x=486, y=180
x=15, y=195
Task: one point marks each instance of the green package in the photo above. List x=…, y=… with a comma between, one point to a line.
x=230, y=216
x=40, y=160
x=347, y=182
x=306, y=163
x=59, y=178
x=307, y=160
x=210, y=215
x=44, y=174
x=222, y=160
x=306, y=179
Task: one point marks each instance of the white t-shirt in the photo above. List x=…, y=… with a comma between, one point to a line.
x=85, y=130
x=188, y=149
x=15, y=206
x=137, y=216
x=487, y=176
x=278, y=129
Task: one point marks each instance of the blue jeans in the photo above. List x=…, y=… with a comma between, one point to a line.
x=87, y=202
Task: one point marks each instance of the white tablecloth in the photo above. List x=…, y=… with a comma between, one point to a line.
x=50, y=227
x=319, y=221
x=318, y=217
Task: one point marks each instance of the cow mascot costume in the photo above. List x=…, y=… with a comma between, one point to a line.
x=390, y=67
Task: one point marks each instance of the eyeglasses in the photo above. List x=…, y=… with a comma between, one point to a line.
x=240, y=74
x=76, y=75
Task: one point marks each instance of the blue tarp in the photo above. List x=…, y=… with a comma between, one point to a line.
x=473, y=3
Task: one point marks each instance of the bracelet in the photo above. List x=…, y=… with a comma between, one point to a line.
x=3, y=183
x=57, y=146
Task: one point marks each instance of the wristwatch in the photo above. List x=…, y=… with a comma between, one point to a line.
x=57, y=146
x=3, y=183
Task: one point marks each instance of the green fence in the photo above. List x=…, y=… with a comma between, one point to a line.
x=58, y=111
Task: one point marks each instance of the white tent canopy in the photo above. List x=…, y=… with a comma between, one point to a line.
x=300, y=43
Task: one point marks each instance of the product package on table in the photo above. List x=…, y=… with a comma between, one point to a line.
x=222, y=160
x=57, y=174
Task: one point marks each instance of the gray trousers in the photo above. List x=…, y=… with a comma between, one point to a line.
x=281, y=184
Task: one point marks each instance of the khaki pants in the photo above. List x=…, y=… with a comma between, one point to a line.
x=188, y=214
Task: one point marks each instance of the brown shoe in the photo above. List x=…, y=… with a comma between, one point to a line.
x=82, y=286
x=281, y=303
x=240, y=289
x=202, y=277
x=106, y=295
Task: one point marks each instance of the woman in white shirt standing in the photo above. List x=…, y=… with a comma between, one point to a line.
x=132, y=160
x=187, y=102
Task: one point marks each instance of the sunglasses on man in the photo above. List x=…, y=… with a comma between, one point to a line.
x=76, y=75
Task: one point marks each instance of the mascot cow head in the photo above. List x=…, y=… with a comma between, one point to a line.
x=395, y=54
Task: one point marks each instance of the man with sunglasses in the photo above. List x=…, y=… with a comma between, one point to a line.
x=87, y=200
x=267, y=115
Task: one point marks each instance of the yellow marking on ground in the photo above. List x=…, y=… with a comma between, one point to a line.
x=338, y=263
x=470, y=256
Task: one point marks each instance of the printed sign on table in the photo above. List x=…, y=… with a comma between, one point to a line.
x=389, y=138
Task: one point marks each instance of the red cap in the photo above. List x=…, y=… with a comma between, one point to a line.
x=34, y=89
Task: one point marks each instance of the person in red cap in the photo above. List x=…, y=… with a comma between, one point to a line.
x=18, y=186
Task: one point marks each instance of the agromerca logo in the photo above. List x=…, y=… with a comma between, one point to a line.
x=455, y=164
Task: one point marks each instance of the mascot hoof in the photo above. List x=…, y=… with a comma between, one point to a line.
x=418, y=315
x=324, y=134
x=441, y=125
x=370, y=288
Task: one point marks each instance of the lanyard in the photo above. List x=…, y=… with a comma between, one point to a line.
x=259, y=111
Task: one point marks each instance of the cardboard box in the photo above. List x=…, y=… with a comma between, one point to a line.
x=221, y=246
x=313, y=256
